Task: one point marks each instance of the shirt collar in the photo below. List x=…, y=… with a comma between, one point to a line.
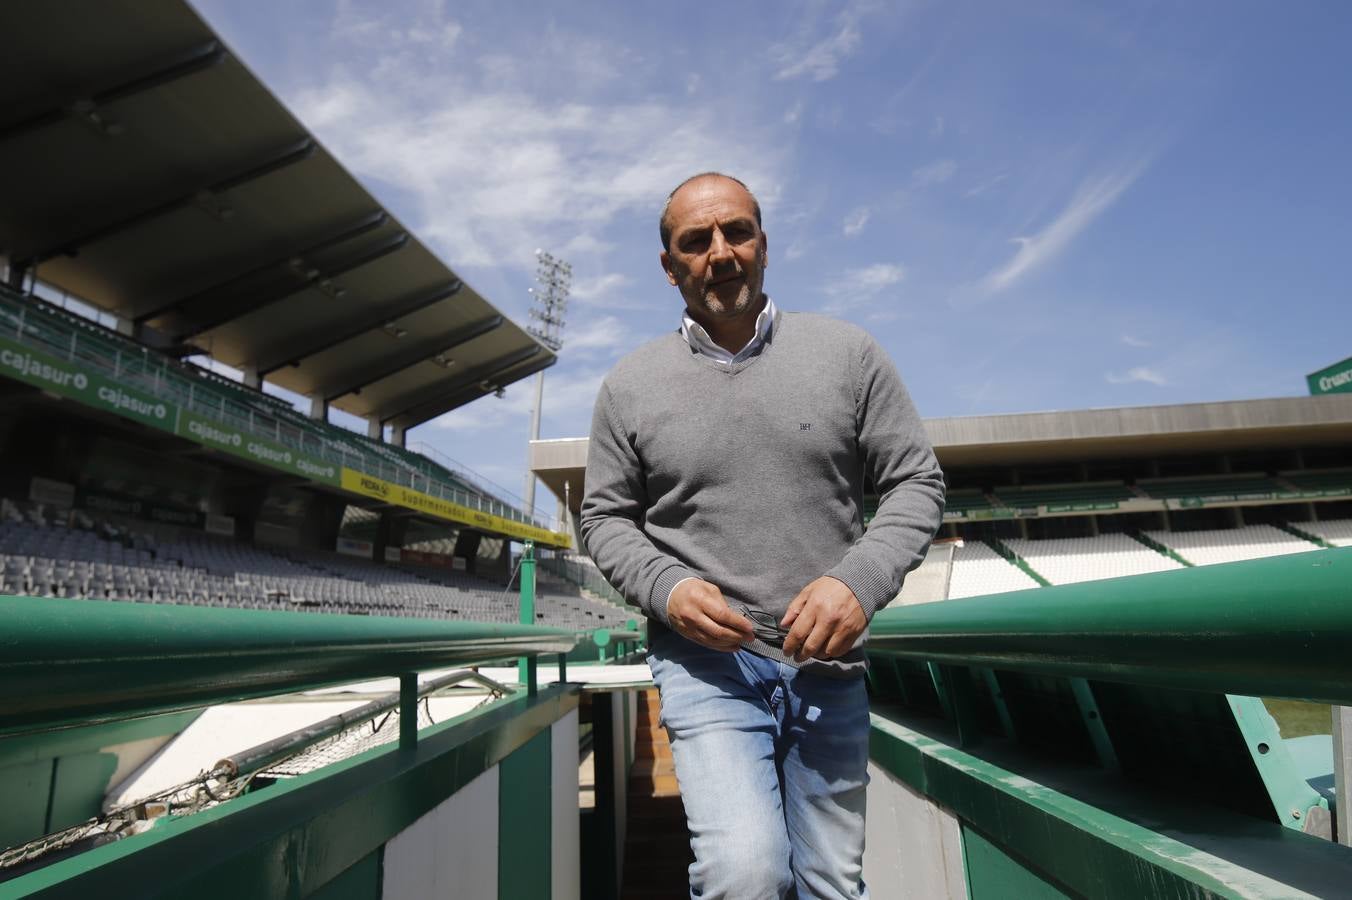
x=701, y=343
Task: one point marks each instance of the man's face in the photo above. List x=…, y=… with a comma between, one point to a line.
x=717, y=251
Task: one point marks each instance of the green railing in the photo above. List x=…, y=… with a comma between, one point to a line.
x=99, y=351
x=80, y=662
x=1276, y=627
x=1107, y=739
x=584, y=576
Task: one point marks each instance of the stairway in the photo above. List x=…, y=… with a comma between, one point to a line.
x=657, y=845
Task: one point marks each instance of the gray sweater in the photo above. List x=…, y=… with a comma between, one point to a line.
x=751, y=475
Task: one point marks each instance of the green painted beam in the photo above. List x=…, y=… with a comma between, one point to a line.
x=524, y=824
x=1277, y=627
x=69, y=662
x=297, y=836
x=1089, y=851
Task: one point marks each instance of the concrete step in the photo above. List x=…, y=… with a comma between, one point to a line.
x=655, y=777
x=657, y=849
x=652, y=746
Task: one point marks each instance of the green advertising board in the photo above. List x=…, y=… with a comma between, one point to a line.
x=69, y=380
x=255, y=449
x=1336, y=379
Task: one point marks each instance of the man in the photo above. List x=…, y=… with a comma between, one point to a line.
x=724, y=496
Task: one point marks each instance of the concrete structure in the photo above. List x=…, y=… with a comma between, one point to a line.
x=1128, y=432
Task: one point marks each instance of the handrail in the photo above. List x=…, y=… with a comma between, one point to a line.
x=1275, y=627
x=80, y=662
x=259, y=756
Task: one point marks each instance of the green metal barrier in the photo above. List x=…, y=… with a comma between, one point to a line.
x=1276, y=627
x=67, y=662
x=1095, y=739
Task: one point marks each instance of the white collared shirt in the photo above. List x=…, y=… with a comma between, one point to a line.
x=701, y=343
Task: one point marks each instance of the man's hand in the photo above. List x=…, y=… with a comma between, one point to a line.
x=698, y=611
x=824, y=621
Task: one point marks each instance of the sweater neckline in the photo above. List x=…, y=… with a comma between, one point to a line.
x=733, y=369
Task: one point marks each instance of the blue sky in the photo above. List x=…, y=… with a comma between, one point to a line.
x=1043, y=205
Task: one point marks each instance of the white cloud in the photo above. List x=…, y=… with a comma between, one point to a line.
x=483, y=167
x=936, y=172
x=603, y=290
x=937, y=130
x=607, y=334
x=793, y=113
x=1139, y=373
x=1092, y=199
x=855, y=221
x=1131, y=341
x=858, y=287
x=816, y=57
x=568, y=394
x=981, y=187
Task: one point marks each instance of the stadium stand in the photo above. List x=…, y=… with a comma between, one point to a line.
x=1338, y=532
x=977, y=570
x=1205, y=548
x=929, y=581
x=47, y=553
x=1072, y=560
x=49, y=329
x=961, y=501
x=1335, y=482
x=1052, y=495
x=1237, y=487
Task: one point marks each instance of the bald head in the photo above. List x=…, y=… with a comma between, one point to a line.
x=665, y=224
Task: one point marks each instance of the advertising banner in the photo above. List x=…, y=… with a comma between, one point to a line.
x=434, y=560
x=69, y=380
x=398, y=495
x=219, y=524
x=141, y=509
x=256, y=449
x=1083, y=506
x=57, y=493
x=353, y=547
x=1336, y=379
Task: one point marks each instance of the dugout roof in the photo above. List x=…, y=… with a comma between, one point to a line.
x=146, y=170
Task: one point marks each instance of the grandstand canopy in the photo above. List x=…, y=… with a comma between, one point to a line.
x=146, y=170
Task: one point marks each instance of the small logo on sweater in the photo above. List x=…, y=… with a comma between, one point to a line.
x=804, y=426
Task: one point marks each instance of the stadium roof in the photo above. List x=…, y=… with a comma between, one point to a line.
x=1122, y=433
x=146, y=170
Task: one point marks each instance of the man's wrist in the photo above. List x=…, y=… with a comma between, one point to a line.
x=662, y=589
x=671, y=592
x=870, y=586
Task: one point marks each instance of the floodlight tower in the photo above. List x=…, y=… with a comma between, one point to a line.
x=551, y=301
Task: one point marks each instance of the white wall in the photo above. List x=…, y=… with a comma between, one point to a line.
x=565, y=849
x=451, y=851
x=913, y=846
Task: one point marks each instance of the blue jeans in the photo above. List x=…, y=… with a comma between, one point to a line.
x=772, y=765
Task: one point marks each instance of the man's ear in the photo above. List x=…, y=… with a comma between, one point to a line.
x=765, y=251
x=666, y=267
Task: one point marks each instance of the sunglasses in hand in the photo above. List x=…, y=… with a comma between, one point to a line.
x=765, y=626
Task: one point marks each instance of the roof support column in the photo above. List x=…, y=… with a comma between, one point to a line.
x=251, y=378
x=319, y=408
x=374, y=430
x=126, y=327
x=397, y=435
